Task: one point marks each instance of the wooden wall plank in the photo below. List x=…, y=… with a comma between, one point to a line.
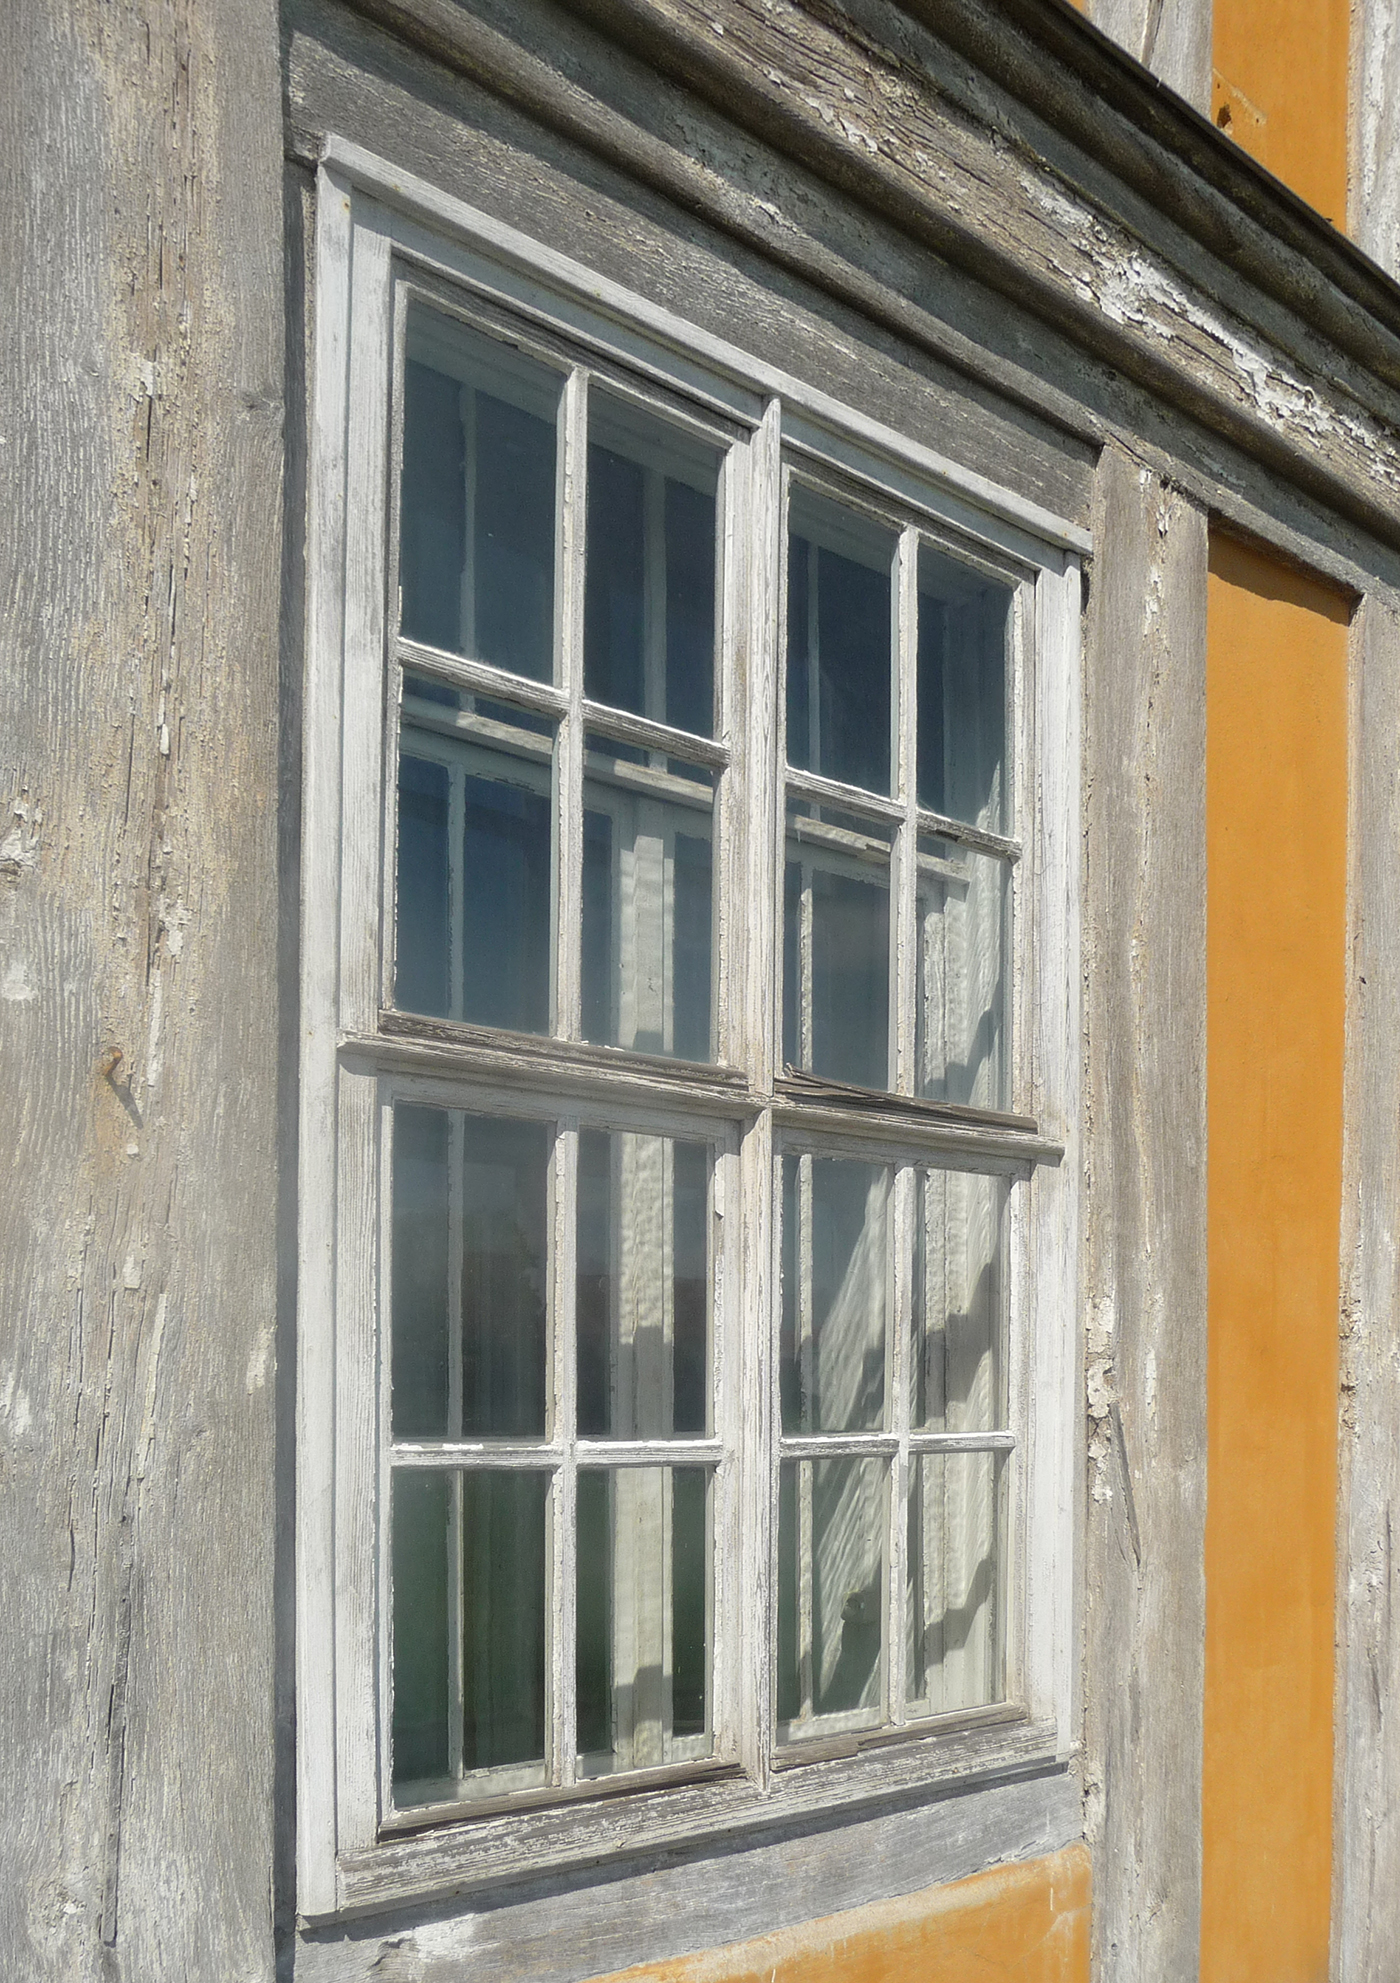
x=138, y=1015
x=1366, y=1847
x=1373, y=217
x=1173, y=42
x=1145, y=1198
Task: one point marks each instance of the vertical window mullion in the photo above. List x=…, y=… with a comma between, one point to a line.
x=904, y=876
x=456, y=1593
x=806, y=1022
x=901, y=1326
x=467, y=402
x=757, y=900
x=814, y=657
x=904, y=992
x=571, y=525
x=562, y=1429
x=385, y=1635
x=456, y=891
x=806, y=1367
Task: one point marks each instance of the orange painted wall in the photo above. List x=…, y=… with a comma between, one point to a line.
x=1015, y=1924
x=1276, y=800
x=1280, y=89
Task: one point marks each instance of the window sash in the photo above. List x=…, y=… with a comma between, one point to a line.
x=346, y=1061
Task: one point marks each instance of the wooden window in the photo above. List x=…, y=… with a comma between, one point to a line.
x=689, y=1062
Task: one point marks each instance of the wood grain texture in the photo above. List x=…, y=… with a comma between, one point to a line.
x=1146, y=1265
x=856, y=116
x=138, y=1012
x=1172, y=41
x=1366, y=1817
x=1374, y=216
x=656, y=187
x=1023, y=1923
x=700, y=220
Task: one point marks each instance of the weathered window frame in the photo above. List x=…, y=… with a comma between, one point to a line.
x=357, y=1055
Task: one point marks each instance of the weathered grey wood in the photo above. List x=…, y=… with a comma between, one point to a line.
x=1366, y=1849
x=1374, y=202
x=852, y=116
x=348, y=77
x=138, y=986
x=696, y=1901
x=1169, y=37
x=345, y=76
x=1146, y=1265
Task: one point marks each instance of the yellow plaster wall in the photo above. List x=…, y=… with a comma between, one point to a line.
x=1280, y=90
x=1016, y=1924
x=1276, y=828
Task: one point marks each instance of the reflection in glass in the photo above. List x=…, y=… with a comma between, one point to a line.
x=964, y=621
x=831, y=1589
x=649, y=596
x=474, y=860
x=959, y=1276
x=962, y=1050
x=836, y=947
x=646, y=902
x=839, y=659
x=468, y=1332
x=643, y=1293
x=954, y=1610
x=476, y=559
x=468, y=1564
x=836, y=1294
x=643, y=1612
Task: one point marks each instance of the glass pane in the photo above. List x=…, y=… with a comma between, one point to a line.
x=836, y=1294
x=839, y=660
x=964, y=901
x=959, y=1277
x=643, y=1286
x=954, y=1575
x=964, y=622
x=647, y=902
x=644, y=1607
x=469, y=1632
x=831, y=1589
x=421, y=1569
x=469, y=1333
x=476, y=561
x=836, y=947
x=649, y=595
x=420, y=1275
x=475, y=860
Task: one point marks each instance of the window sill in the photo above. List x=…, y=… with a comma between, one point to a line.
x=811, y=1782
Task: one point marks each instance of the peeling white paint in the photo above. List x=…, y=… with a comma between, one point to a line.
x=174, y=920
x=1134, y=289
x=259, y=1360
x=1099, y=1388
x=148, y=1421
x=15, y=1405
x=153, y=1031
x=17, y=987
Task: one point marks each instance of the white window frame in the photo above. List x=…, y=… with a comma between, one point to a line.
x=371, y=221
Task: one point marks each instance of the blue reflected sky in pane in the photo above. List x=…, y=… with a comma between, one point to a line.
x=839, y=656
x=477, y=529
x=649, y=596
